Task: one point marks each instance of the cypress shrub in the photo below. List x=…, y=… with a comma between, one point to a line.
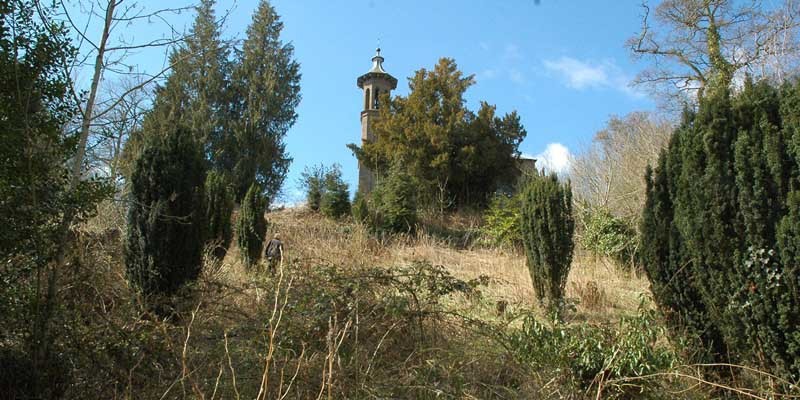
x=335, y=201
x=719, y=228
x=503, y=220
x=166, y=222
x=313, y=181
x=547, y=229
x=251, y=227
x=219, y=208
x=394, y=202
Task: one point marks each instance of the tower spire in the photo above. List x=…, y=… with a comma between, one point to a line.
x=375, y=84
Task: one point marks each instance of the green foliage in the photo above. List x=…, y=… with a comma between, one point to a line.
x=360, y=208
x=503, y=220
x=458, y=157
x=393, y=203
x=266, y=92
x=716, y=232
x=604, y=234
x=335, y=202
x=312, y=180
x=251, y=227
x=219, y=209
x=547, y=229
x=240, y=107
x=587, y=353
x=36, y=196
x=166, y=221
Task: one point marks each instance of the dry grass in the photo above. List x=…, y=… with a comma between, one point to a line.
x=310, y=237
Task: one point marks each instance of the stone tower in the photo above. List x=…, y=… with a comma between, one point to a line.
x=374, y=83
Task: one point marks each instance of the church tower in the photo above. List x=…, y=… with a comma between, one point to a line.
x=374, y=83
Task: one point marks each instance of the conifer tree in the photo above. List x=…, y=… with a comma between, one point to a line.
x=720, y=219
x=312, y=180
x=393, y=203
x=196, y=93
x=457, y=157
x=335, y=200
x=251, y=227
x=547, y=230
x=266, y=82
x=219, y=208
x=166, y=221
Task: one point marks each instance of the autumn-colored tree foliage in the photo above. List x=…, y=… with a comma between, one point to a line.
x=719, y=228
x=458, y=157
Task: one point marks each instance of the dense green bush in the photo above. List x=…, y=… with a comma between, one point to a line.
x=251, y=227
x=547, y=229
x=584, y=354
x=503, y=220
x=219, y=209
x=166, y=221
x=335, y=202
x=393, y=203
x=719, y=228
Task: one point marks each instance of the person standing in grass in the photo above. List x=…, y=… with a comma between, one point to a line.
x=274, y=253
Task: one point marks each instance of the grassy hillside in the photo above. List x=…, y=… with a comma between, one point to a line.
x=351, y=315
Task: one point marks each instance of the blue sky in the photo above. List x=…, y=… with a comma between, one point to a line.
x=562, y=64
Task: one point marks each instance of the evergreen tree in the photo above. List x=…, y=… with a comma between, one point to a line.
x=718, y=229
x=166, y=221
x=335, y=200
x=219, y=208
x=251, y=227
x=312, y=180
x=196, y=93
x=456, y=156
x=393, y=203
x=266, y=81
x=35, y=149
x=547, y=230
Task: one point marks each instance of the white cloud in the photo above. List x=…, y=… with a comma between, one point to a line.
x=555, y=158
x=581, y=75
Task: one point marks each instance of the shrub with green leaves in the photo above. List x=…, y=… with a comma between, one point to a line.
x=583, y=353
x=219, y=209
x=394, y=202
x=606, y=235
x=547, y=229
x=166, y=221
x=335, y=201
x=719, y=228
x=503, y=220
x=312, y=181
x=251, y=227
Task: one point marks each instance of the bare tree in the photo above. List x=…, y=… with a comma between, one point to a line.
x=111, y=131
x=693, y=43
x=609, y=174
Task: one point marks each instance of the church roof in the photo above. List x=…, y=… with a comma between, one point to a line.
x=377, y=71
